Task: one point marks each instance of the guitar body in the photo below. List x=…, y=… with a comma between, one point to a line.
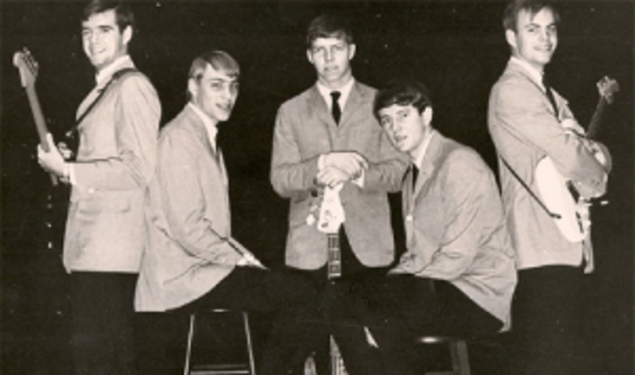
x=571, y=211
x=553, y=190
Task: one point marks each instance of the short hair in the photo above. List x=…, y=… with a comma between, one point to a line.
x=402, y=92
x=329, y=26
x=123, y=14
x=533, y=7
x=219, y=60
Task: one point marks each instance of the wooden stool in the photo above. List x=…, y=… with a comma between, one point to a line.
x=220, y=368
x=458, y=353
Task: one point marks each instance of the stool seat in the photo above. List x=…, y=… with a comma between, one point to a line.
x=220, y=368
x=458, y=353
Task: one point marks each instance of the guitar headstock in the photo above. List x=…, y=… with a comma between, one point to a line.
x=27, y=66
x=607, y=87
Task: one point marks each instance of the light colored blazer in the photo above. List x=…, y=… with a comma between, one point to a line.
x=305, y=129
x=188, y=219
x=115, y=162
x=455, y=227
x=525, y=129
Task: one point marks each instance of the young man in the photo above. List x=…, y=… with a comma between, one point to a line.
x=105, y=234
x=457, y=275
x=531, y=124
x=327, y=136
x=192, y=262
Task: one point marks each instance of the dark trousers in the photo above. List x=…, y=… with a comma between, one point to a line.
x=399, y=307
x=318, y=328
x=102, y=339
x=290, y=295
x=547, y=316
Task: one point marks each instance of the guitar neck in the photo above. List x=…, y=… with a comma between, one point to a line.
x=38, y=117
x=596, y=119
x=334, y=256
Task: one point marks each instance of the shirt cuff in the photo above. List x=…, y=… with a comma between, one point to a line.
x=321, y=162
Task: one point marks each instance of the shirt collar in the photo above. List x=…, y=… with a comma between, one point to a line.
x=534, y=73
x=418, y=161
x=210, y=126
x=108, y=71
x=345, y=92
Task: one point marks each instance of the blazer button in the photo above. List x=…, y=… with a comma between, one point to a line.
x=410, y=218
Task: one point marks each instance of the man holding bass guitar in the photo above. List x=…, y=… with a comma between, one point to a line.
x=105, y=235
x=536, y=135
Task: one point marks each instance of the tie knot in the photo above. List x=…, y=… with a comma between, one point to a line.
x=335, y=95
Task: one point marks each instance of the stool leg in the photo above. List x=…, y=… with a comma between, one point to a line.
x=188, y=352
x=250, y=350
x=460, y=358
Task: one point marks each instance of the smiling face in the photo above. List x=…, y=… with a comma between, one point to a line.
x=536, y=37
x=102, y=40
x=215, y=93
x=406, y=127
x=331, y=58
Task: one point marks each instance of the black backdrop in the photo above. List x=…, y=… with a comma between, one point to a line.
x=456, y=48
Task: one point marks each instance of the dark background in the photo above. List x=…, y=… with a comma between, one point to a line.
x=456, y=48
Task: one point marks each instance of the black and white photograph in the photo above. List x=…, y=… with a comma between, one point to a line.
x=303, y=187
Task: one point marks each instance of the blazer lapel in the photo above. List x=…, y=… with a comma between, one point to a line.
x=201, y=133
x=427, y=168
x=352, y=104
x=320, y=108
x=516, y=69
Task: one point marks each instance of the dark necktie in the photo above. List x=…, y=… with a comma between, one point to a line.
x=415, y=175
x=549, y=93
x=336, y=111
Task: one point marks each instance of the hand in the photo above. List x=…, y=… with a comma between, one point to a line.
x=51, y=161
x=331, y=176
x=66, y=152
x=350, y=162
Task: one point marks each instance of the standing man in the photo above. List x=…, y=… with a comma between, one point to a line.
x=457, y=275
x=192, y=262
x=531, y=124
x=327, y=136
x=105, y=235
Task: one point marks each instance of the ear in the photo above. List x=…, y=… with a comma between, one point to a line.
x=127, y=35
x=510, y=36
x=427, y=116
x=309, y=56
x=352, y=48
x=192, y=87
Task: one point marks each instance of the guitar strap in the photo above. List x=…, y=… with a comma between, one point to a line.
x=117, y=75
x=531, y=193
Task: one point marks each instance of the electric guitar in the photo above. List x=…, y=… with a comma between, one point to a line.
x=331, y=217
x=569, y=209
x=29, y=68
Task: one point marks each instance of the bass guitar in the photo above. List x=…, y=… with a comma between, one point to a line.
x=569, y=209
x=331, y=218
x=29, y=68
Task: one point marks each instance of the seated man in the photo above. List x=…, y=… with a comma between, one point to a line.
x=457, y=275
x=191, y=261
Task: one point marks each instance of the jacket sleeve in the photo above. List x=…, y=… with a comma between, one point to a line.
x=290, y=175
x=522, y=111
x=388, y=172
x=137, y=115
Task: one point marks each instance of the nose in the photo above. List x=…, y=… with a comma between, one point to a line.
x=329, y=55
